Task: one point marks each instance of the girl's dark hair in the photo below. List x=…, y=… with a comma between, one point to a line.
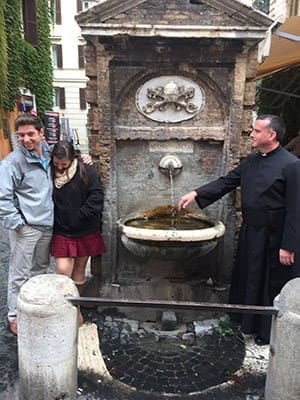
x=65, y=149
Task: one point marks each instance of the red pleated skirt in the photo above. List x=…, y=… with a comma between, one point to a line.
x=89, y=245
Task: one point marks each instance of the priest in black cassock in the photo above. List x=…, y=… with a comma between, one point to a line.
x=267, y=241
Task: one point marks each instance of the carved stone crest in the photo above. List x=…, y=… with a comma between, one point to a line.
x=169, y=99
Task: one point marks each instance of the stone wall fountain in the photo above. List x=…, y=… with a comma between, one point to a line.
x=163, y=233
x=171, y=96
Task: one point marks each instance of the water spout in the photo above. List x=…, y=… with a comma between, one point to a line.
x=170, y=165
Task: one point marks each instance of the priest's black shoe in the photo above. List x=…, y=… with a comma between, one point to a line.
x=260, y=341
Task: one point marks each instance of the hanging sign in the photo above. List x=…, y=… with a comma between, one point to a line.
x=51, y=124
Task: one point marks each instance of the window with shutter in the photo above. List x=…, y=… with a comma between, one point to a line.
x=56, y=97
x=57, y=60
x=62, y=98
x=59, y=56
x=81, y=57
x=82, y=98
x=30, y=22
x=59, y=98
x=58, y=12
x=84, y=5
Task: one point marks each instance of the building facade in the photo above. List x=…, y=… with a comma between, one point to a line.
x=69, y=74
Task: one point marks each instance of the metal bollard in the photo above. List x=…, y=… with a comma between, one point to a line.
x=47, y=339
x=283, y=376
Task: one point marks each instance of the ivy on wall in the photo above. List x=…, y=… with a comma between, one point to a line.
x=3, y=56
x=37, y=64
x=27, y=65
x=15, y=42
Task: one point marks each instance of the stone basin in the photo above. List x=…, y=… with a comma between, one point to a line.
x=142, y=237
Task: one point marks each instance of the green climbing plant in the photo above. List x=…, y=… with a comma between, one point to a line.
x=3, y=55
x=13, y=28
x=27, y=65
x=37, y=64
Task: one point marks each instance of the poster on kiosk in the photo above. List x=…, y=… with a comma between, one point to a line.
x=52, y=129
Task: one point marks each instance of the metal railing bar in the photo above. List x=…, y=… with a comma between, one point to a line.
x=175, y=305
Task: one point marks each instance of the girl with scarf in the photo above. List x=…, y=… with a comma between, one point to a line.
x=78, y=203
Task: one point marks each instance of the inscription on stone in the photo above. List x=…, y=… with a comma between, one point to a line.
x=171, y=147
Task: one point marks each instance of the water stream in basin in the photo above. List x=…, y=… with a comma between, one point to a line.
x=172, y=199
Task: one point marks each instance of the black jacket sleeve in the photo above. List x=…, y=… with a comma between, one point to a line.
x=93, y=204
x=291, y=230
x=209, y=193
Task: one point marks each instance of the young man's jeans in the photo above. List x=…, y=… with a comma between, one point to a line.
x=29, y=256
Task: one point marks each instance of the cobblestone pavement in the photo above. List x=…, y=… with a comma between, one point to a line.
x=222, y=366
x=168, y=364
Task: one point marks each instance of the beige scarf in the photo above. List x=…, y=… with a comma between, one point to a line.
x=63, y=178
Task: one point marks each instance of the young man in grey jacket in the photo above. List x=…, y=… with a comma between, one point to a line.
x=26, y=207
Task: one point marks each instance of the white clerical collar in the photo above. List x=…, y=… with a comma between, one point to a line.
x=270, y=152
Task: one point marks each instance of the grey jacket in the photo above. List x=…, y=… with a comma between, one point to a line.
x=26, y=190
